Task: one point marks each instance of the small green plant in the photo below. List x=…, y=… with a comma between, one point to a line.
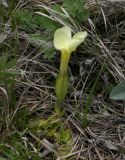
x=53, y=127
x=118, y=92
x=15, y=149
x=85, y=108
x=76, y=9
x=31, y=23
x=8, y=73
x=25, y=20
x=66, y=44
x=7, y=13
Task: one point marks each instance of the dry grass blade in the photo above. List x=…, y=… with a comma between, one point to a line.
x=59, y=17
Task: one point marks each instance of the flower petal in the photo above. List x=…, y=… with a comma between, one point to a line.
x=62, y=38
x=77, y=39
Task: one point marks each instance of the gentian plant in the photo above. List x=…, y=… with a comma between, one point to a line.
x=66, y=44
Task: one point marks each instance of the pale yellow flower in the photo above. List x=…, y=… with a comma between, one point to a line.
x=64, y=41
x=66, y=44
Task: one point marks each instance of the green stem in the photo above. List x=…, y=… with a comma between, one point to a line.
x=62, y=82
x=61, y=86
x=58, y=108
x=65, y=56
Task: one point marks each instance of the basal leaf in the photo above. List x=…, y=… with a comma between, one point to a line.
x=45, y=23
x=118, y=93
